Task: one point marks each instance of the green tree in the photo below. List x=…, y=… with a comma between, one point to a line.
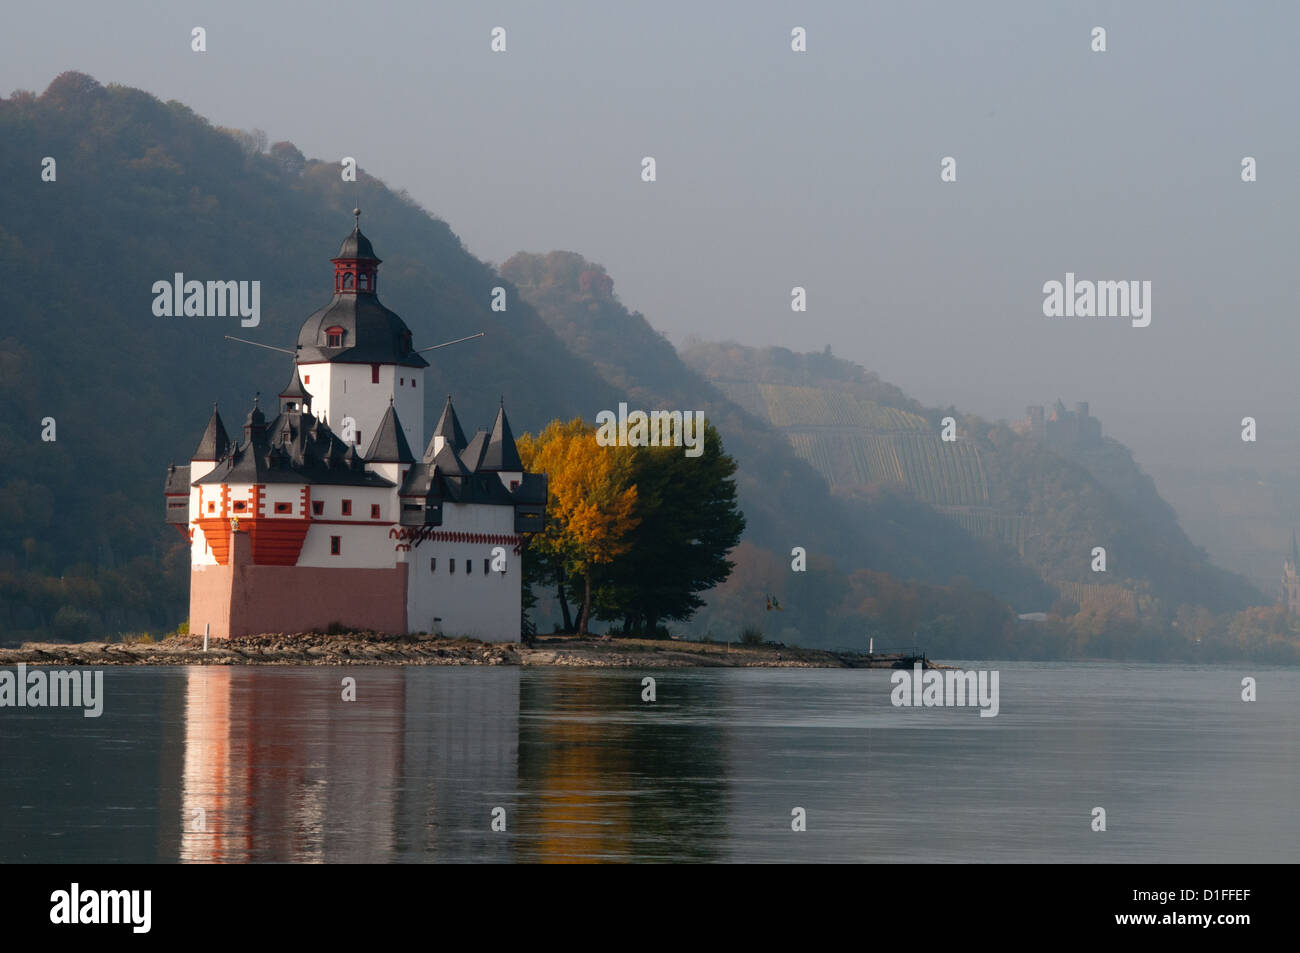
x=688, y=522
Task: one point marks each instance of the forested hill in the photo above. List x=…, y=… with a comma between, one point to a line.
x=142, y=190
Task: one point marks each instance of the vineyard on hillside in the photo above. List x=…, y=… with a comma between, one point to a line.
x=856, y=442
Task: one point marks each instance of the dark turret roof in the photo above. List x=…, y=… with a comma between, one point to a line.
x=449, y=427
x=295, y=387
x=389, y=442
x=357, y=245
x=256, y=420
x=215, y=442
x=501, y=453
x=295, y=447
x=371, y=334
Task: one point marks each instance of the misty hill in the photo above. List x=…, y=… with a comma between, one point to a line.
x=1052, y=493
x=145, y=189
x=786, y=501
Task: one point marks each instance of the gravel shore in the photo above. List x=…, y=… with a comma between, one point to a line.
x=366, y=648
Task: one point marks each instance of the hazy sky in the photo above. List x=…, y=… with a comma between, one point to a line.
x=818, y=169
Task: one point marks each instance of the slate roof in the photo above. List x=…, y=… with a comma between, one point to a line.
x=358, y=246
x=501, y=452
x=449, y=427
x=178, y=479
x=473, y=454
x=295, y=387
x=371, y=334
x=294, y=447
x=215, y=442
x=389, y=444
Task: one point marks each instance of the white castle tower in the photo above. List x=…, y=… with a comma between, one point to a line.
x=355, y=356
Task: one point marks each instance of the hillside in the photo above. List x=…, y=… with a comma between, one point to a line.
x=786, y=500
x=902, y=532
x=1053, y=496
x=145, y=189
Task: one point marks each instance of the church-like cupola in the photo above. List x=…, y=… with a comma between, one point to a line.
x=356, y=269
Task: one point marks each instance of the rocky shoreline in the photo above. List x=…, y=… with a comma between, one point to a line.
x=368, y=648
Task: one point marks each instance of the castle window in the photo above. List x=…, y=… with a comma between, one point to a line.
x=283, y=507
x=451, y=566
x=333, y=337
x=212, y=507
x=317, y=507
x=336, y=545
x=374, y=511
x=307, y=379
x=514, y=484
x=487, y=566
x=412, y=381
x=374, y=373
x=347, y=280
x=433, y=564
x=469, y=566
x=363, y=282
x=402, y=382
x=240, y=506
x=347, y=507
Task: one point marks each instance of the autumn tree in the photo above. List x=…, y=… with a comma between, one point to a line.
x=687, y=523
x=591, y=502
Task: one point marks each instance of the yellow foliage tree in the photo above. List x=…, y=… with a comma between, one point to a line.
x=592, y=501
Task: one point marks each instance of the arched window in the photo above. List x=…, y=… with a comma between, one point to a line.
x=363, y=282
x=347, y=280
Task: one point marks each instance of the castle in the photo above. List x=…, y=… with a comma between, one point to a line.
x=1063, y=430
x=1291, y=579
x=295, y=528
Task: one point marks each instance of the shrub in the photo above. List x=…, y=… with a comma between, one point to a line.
x=751, y=635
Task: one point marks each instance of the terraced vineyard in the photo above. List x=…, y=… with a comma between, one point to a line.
x=855, y=442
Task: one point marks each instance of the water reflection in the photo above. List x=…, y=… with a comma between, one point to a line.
x=278, y=767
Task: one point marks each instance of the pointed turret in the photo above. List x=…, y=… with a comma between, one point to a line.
x=501, y=453
x=215, y=442
x=255, y=422
x=448, y=429
x=389, y=442
x=294, y=396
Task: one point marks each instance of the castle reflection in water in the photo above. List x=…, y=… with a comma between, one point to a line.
x=277, y=767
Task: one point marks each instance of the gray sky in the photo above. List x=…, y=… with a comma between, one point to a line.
x=818, y=169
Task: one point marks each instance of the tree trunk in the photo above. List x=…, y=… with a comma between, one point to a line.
x=564, y=603
x=586, y=605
